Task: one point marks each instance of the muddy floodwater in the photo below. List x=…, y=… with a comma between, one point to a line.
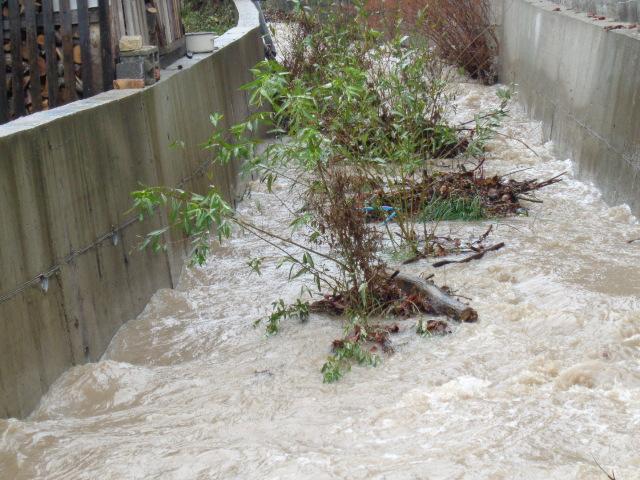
x=548, y=380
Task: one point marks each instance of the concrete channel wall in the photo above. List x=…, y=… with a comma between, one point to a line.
x=65, y=182
x=583, y=82
x=623, y=10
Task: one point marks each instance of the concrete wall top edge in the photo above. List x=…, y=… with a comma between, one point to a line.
x=248, y=20
x=553, y=5
x=625, y=10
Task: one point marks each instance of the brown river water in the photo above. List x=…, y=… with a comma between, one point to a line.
x=548, y=380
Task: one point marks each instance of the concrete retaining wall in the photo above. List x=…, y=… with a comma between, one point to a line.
x=583, y=82
x=65, y=182
x=623, y=10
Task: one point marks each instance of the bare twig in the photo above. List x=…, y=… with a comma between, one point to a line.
x=527, y=199
x=477, y=256
x=484, y=236
x=519, y=140
x=610, y=476
x=255, y=228
x=516, y=171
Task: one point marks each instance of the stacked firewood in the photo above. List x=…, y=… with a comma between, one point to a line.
x=39, y=75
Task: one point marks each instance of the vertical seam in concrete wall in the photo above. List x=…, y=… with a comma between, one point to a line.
x=153, y=149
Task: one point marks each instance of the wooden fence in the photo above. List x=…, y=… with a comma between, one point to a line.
x=53, y=54
x=166, y=28
x=57, y=51
x=157, y=21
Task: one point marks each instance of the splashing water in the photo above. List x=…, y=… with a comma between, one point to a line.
x=546, y=381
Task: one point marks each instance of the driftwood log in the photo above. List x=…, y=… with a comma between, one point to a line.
x=441, y=302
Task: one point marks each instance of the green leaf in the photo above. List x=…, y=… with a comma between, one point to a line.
x=255, y=264
x=363, y=290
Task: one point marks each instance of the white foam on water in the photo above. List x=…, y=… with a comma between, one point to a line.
x=548, y=379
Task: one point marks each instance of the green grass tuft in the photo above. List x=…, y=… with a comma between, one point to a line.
x=442, y=209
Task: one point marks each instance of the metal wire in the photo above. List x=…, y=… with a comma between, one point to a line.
x=43, y=277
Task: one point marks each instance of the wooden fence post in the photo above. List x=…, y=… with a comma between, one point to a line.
x=50, y=52
x=4, y=104
x=106, y=47
x=33, y=53
x=33, y=60
x=16, y=58
x=67, y=52
x=88, y=89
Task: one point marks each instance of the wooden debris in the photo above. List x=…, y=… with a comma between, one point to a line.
x=77, y=55
x=126, y=83
x=433, y=327
x=440, y=301
x=476, y=256
x=374, y=334
x=497, y=195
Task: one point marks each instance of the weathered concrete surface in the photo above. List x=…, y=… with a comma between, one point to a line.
x=65, y=181
x=583, y=82
x=623, y=10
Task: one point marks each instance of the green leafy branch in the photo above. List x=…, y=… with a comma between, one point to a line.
x=344, y=356
x=281, y=311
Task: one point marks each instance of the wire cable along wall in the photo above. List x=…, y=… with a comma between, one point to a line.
x=42, y=279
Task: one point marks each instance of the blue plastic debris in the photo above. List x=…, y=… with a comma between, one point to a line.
x=389, y=218
x=385, y=208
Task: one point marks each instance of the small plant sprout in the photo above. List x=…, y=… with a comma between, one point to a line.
x=281, y=311
x=343, y=358
x=255, y=264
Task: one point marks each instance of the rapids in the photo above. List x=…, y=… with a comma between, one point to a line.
x=548, y=380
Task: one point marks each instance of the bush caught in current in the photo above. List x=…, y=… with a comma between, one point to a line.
x=364, y=115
